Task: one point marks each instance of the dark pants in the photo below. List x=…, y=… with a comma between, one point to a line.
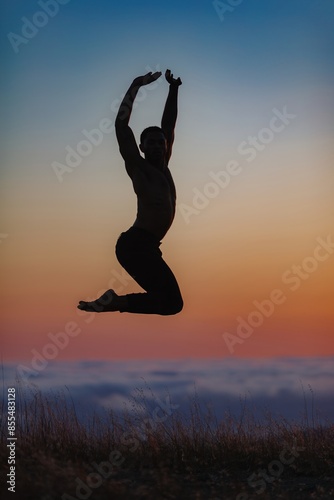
x=137, y=250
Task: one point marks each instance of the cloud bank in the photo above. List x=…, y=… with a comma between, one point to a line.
x=290, y=387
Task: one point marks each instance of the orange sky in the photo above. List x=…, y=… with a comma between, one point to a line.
x=237, y=250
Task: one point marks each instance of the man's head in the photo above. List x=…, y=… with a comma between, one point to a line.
x=153, y=144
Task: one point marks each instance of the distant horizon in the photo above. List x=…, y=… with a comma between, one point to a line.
x=283, y=386
x=190, y=358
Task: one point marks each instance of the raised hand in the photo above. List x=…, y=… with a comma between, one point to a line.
x=146, y=79
x=171, y=80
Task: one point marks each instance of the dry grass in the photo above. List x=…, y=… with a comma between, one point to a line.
x=155, y=453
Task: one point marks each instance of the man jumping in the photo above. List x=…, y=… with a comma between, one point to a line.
x=137, y=249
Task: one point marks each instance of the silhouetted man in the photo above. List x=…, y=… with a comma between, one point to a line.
x=137, y=249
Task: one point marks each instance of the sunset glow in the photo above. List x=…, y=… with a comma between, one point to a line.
x=252, y=164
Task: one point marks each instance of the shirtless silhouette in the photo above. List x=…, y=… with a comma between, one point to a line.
x=137, y=249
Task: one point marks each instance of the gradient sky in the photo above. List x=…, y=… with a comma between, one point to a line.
x=237, y=247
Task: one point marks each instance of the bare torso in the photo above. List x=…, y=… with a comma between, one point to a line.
x=156, y=197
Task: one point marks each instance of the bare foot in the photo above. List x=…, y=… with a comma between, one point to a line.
x=109, y=301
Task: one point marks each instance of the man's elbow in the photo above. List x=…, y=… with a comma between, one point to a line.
x=123, y=116
x=118, y=122
x=121, y=128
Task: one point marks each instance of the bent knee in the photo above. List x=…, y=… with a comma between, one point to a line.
x=178, y=306
x=173, y=307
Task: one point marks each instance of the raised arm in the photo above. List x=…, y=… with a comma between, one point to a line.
x=125, y=137
x=170, y=112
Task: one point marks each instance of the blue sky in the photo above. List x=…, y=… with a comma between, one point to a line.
x=65, y=78
x=90, y=51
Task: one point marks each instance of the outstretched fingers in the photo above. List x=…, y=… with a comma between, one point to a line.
x=151, y=77
x=170, y=78
x=146, y=79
